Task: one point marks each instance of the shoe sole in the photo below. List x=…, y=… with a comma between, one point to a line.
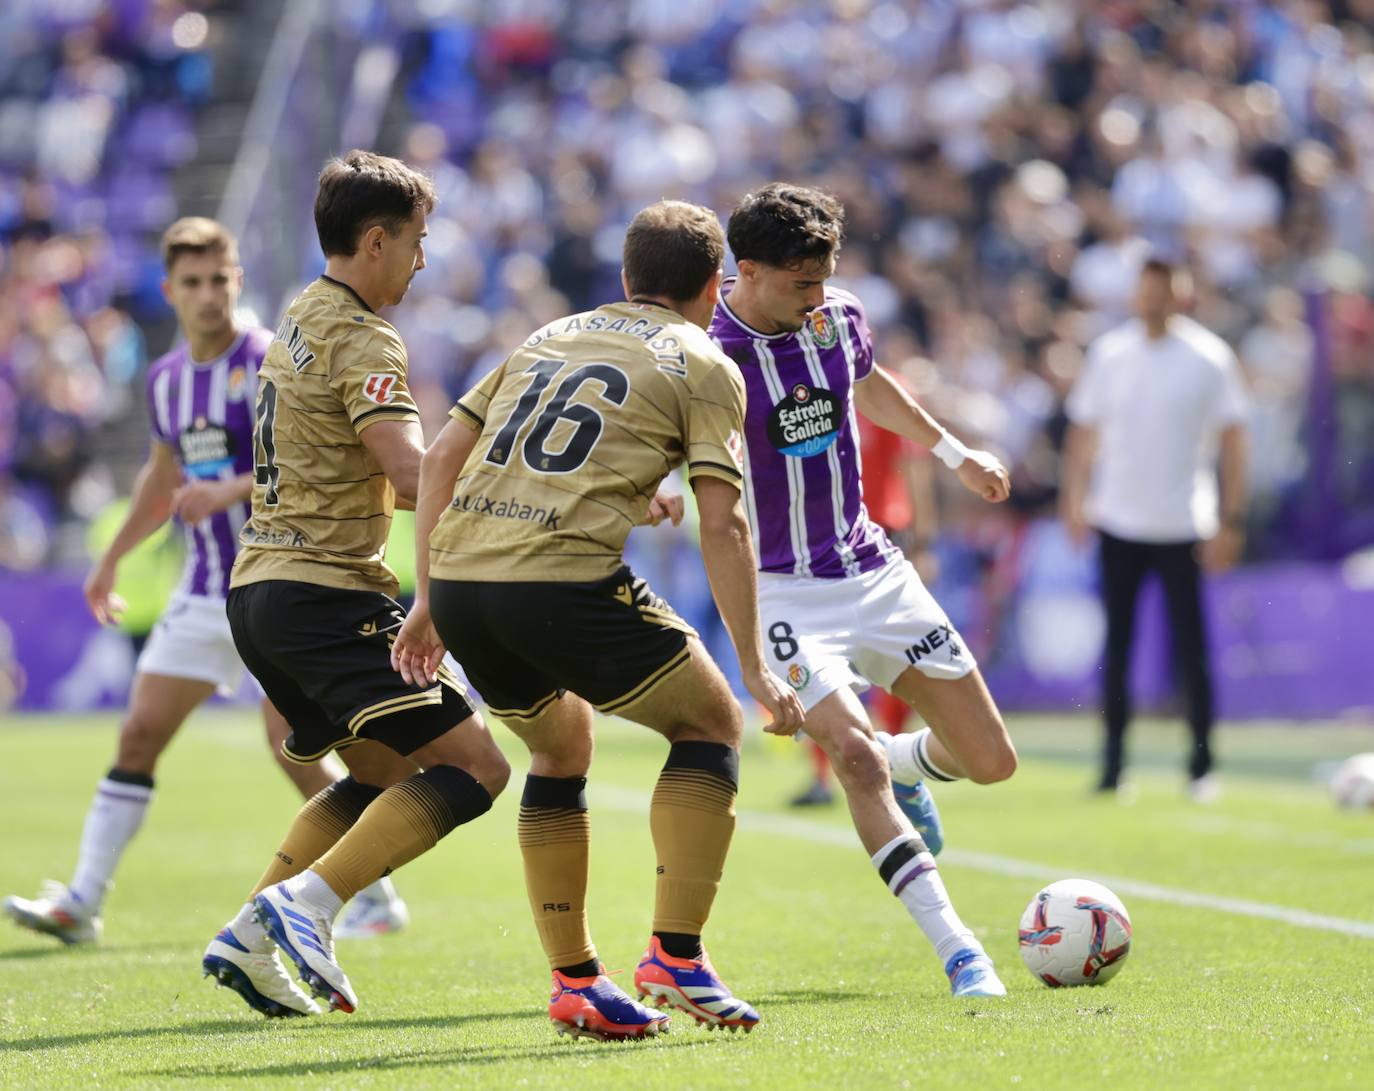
x=661, y=995
x=229, y=976
x=34, y=923
x=580, y=1029
x=266, y=915
x=979, y=995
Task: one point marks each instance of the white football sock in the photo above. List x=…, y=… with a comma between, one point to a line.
x=900, y=757
x=311, y=888
x=912, y=876
x=116, y=814
x=920, y=758
x=248, y=931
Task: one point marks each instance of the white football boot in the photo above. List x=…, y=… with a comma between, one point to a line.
x=304, y=932
x=55, y=912
x=242, y=957
x=374, y=911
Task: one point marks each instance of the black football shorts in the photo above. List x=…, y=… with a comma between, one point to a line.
x=323, y=657
x=610, y=641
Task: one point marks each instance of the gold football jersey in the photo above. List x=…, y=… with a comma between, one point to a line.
x=321, y=503
x=578, y=428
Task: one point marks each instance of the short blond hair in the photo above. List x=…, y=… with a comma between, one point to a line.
x=197, y=235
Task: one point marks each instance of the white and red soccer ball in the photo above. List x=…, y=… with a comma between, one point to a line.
x=1075, y=932
x=1353, y=784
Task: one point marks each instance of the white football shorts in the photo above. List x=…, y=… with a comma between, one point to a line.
x=822, y=635
x=192, y=640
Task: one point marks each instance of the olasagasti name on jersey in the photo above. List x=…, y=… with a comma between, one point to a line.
x=667, y=350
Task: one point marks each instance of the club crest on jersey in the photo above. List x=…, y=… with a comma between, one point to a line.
x=237, y=386
x=798, y=676
x=378, y=388
x=806, y=422
x=823, y=330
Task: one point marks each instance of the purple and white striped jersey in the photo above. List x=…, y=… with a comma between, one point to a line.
x=204, y=412
x=801, y=466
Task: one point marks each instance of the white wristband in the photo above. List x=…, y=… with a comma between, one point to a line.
x=950, y=451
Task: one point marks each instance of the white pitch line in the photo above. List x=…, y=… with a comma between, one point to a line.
x=621, y=799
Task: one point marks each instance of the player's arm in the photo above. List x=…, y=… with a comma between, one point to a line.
x=149, y=507
x=884, y=401
x=197, y=500
x=418, y=650
x=727, y=550
x=1223, y=551
x=398, y=446
x=919, y=477
x=1080, y=448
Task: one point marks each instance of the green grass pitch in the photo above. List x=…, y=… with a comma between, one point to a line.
x=850, y=993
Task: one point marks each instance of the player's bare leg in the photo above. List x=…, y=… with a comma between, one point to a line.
x=462, y=772
x=966, y=737
x=309, y=779
x=841, y=727
x=158, y=706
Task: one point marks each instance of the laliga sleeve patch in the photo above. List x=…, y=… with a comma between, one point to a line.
x=379, y=388
x=734, y=443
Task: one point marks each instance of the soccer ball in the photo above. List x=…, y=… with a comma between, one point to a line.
x=1353, y=784
x=1075, y=932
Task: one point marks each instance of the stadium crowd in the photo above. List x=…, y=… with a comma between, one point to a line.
x=1006, y=168
x=96, y=110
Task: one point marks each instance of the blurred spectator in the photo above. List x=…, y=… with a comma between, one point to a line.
x=95, y=103
x=1007, y=165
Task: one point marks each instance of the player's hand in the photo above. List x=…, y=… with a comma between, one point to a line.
x=665, y=505
x=1075, y=523
x=198, y=500
x=926, y=562
x=418, y=651
x=783, y=705
x=984, y=474
x=1222, y=552
x=107, y=607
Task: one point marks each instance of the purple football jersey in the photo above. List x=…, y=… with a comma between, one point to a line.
x=204, y=412
x=801, y=470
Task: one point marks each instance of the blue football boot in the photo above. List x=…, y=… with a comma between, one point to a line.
x=970, y=973
x=916, y=802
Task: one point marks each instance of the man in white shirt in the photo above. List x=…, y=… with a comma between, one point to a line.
x=1159, y=406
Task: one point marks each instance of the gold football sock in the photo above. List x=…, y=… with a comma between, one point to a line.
x=692, y=817
x=406, y=820
x=326, y=816
x=555, y=837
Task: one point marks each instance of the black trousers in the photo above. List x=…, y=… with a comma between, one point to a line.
x=1124, y=567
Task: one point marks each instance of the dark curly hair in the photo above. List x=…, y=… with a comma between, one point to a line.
x=361, y=189
x=786, y=226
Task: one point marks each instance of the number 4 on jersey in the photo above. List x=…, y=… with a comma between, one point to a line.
x=265, y=471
